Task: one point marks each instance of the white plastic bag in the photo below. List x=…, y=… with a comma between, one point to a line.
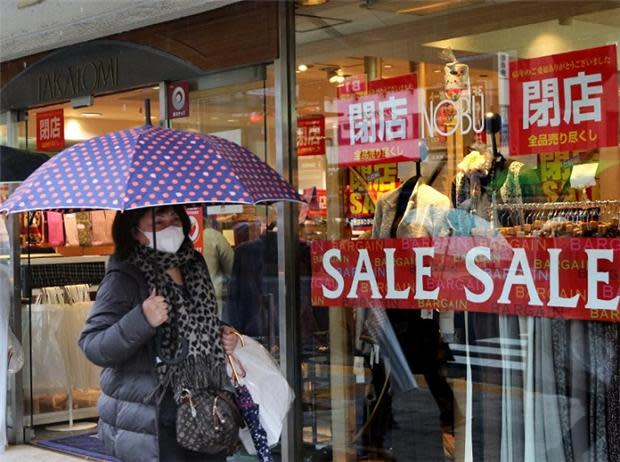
x=268, y=387
x=15, y=353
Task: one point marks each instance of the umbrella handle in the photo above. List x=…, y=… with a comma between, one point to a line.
x=171, y=361
x=234, y=370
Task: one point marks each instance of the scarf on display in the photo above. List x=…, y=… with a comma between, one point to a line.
x=192, y=315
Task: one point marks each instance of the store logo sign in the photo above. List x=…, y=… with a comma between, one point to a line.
x=78, y=80
x=178, y=99
x=465, y=115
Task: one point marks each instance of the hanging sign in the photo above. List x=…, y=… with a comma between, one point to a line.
x=381, y=126
x=50, y=130
x=366, y=183
x=354, y=85
x=311, y=135
x=564, y=102
x=572, y=278
x=178, y=99
x=196, y=227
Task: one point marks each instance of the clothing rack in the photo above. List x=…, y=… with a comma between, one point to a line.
x=557, y=205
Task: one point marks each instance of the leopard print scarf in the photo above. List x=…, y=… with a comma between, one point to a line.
x=192, y=316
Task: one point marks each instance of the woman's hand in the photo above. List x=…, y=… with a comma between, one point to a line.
x=229, y=339
x=155, y=309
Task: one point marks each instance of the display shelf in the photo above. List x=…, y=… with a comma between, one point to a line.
x=62, y=416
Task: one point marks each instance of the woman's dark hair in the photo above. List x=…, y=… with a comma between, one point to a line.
x=125, y=223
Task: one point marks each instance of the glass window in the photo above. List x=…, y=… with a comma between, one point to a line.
x=239, y=242
x=461, y=164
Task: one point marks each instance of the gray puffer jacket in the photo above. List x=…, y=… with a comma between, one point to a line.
x=118, y=338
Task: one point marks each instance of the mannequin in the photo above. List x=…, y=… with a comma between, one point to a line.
x=404, y=213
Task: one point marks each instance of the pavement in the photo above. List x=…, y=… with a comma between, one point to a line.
x=27, y=453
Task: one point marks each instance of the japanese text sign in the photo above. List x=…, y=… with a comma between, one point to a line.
x=311, y=135
x=377, y=128
x=564, y=102
x=353, y=85
x=50, y=130
x=572, y=278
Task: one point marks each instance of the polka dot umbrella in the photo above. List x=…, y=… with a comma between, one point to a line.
x=146, y=167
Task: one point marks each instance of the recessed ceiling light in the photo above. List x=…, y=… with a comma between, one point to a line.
x=312, y=2
x=387, y=66
x=91, y=114
x=437, y=71
x=302, y=68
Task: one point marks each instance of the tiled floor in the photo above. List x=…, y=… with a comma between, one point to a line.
x=26, y=453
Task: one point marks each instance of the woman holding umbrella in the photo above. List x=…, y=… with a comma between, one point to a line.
x=146, y=289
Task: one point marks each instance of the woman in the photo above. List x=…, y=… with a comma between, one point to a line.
x=145, y=290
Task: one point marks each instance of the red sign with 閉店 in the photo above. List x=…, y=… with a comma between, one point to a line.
x=564, y=102
x=311, y=135
x=50, y=130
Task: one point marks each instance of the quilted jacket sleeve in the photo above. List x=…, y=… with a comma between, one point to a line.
x=116, y=327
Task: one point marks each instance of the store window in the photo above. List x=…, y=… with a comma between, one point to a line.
x=68, y=253
x=461, y=165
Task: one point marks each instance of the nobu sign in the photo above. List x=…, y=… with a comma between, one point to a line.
x=573, y=278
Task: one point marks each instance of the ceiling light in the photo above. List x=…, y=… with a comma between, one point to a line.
x=430, y=7
x=91, y=114
x=335, y=76
x=302, y=68
x=387, y=66
x=311, y=2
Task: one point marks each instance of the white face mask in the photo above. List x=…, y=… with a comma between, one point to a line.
x=168, y=239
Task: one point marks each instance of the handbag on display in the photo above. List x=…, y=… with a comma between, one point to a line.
x=84, y=228
x=101, y=233
x=55, y=229
x=268, y=387
x=71, y=230
x=208, y=422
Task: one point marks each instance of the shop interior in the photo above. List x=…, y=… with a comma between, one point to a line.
x=336, y=42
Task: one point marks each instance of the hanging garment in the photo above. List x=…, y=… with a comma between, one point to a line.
x=50, y=381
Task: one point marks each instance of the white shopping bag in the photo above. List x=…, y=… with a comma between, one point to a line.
x=268, y=387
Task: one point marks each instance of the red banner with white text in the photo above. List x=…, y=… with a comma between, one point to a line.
x=564, y=102
x=572, y=278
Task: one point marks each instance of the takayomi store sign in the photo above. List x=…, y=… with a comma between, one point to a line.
x=572, y=278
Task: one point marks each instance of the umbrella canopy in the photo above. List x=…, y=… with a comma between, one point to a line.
x=147, y=167
x=17, y=164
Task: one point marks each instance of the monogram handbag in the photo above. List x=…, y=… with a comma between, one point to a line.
x=208, y=422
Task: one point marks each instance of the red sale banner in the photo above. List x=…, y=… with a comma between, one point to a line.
x=50, y=130
x=571, y=278
x=311, y=135
x=564, y=102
